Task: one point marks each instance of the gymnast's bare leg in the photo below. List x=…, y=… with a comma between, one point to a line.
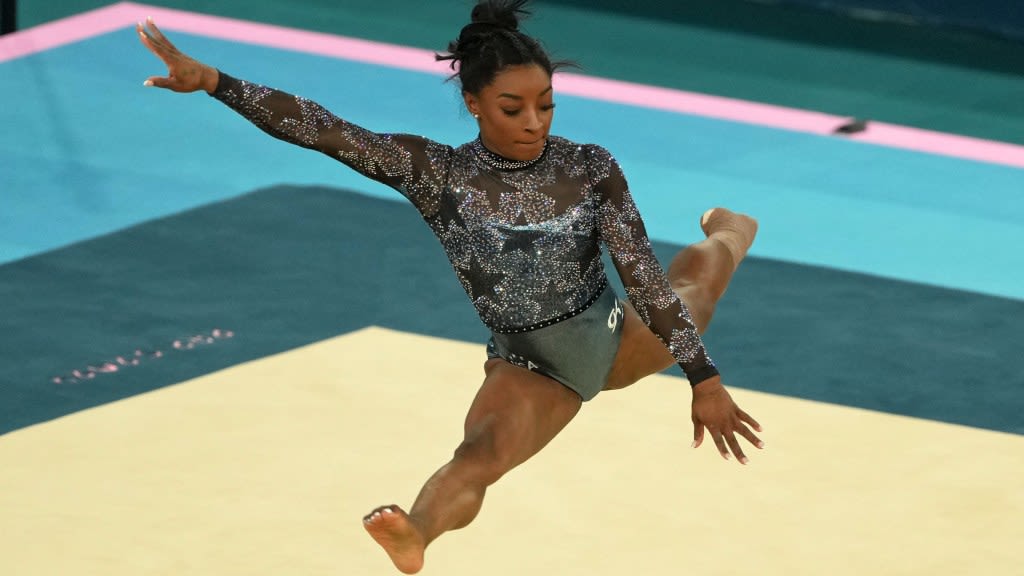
x=514, y=415
x=699, y=274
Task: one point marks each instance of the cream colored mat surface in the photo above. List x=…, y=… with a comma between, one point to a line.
x=267, y=468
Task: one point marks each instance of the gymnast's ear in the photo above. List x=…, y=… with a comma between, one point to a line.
x=472, y=104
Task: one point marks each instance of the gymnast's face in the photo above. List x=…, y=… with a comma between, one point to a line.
x=515, y=111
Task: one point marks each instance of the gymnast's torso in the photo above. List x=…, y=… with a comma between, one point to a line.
x=523, y=237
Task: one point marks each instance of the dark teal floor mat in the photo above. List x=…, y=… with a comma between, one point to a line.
x=288, y=266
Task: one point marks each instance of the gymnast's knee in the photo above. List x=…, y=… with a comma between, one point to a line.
x=481, y=457
x=700, y=263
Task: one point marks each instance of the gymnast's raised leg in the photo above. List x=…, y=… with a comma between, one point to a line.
x=699, y=274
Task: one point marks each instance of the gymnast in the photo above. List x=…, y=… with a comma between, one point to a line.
x=522, y=216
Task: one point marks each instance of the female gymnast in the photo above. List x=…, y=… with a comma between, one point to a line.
x=522, y=215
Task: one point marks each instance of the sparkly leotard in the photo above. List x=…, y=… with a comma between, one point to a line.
x=523, y=237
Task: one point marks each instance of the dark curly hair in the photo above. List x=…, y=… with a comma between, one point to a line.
x=492, y=42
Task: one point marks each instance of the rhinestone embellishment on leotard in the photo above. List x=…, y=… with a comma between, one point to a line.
x=500, y=162
x=523, y=237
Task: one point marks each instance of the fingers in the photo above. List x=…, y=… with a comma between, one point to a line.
x=153, y=39
x=156, y=33
x=159, y=82
x=737, y=451
x=145, y=39
x=728, y=446
x=154, y=45
x=746, y=433
x=726, y=440
x=715, y=411
x=748, y=419
x=159, y=45
x=145, y=33
x=719, y=439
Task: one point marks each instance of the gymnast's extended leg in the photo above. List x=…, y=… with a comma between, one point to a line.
x=514, y=415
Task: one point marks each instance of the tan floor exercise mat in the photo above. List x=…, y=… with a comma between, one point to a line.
x=267, y=468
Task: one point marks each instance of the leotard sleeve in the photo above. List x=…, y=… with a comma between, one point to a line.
x=415, y=166
x=623, y=233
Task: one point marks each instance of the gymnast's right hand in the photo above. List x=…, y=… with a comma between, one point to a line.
x=184, y=74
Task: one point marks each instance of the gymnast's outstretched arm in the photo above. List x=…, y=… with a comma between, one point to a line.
x=413, y=165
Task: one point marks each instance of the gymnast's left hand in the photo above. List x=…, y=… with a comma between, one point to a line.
x=184, y=73
x=714, y=410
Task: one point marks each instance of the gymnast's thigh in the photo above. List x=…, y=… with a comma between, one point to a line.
x=640, y=353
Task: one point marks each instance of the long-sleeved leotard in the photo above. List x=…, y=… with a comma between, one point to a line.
x=523, y=237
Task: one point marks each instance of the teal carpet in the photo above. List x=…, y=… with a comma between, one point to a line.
x=341, y=260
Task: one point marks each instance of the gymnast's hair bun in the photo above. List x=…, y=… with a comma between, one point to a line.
x=492, y=42
x=499, y=13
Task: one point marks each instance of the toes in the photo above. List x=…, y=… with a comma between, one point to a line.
x=705, y=217
x=714, y=219
x=720, y=219
x=380, y=512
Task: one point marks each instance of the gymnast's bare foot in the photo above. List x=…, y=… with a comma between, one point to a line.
x=735, y=230
x=392, y=528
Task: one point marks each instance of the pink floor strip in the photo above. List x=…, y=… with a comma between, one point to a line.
x=125, y=14
x=696, y=104
x=64, y=31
